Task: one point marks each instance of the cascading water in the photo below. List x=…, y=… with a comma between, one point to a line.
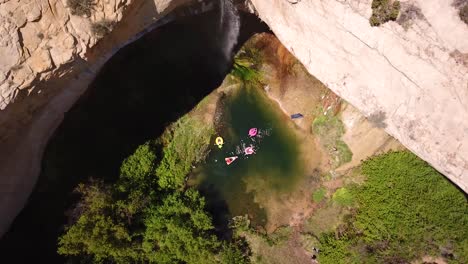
x=229, y=26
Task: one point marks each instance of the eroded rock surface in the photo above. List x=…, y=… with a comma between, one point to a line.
x=412, y=77
x=48, y=57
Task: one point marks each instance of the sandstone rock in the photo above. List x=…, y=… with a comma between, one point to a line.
x=32, y=36
x=40, y=61
x=406, y=73
x=32, y=10
x=9, y=45
x=63, y=49
x=27, y=125
x=19, y=17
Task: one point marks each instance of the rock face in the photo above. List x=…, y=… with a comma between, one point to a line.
x=48, y=57
x=409, y=77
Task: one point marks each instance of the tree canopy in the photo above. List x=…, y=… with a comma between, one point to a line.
x=146, y=216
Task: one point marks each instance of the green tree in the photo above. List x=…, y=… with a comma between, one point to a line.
x=232, y=254
x=98, y=232
x=137, y=171
x=180, y=231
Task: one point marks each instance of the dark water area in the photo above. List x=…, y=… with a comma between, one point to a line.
x=144, y=87
x=274, y=168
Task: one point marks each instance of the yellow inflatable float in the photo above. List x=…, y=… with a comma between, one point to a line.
x=219, y=141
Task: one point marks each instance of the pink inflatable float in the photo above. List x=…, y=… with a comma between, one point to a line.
x=253, y=132
x=249, y=150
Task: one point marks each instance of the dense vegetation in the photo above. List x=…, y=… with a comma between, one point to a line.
x=384, y=11
x=147, y=216
x=406, y=210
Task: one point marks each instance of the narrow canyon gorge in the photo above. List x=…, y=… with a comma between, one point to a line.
x=400, y=85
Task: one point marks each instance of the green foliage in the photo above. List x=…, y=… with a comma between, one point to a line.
x=243, y=72
x=102, y=28
x=178, y=230
x=246, y=65
x=98, y=231
x=240, y=223
x=333, y=250
x=342, y=152
x=281, y=235
x=81, y=7
x=384, y=11
x=330, y=129
x=145, y=217
x=343, y=197
x=406, y=209
x=186, y=142
x=319, y=195
x=232, y=254
x=138, y=169
x=463, y=13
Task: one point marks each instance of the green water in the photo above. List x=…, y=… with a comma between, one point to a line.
x=273, y=169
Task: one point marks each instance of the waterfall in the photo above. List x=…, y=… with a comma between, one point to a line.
x=229, y=26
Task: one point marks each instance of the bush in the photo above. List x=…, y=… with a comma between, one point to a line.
x=464, y=14
x=343, y=197
x=319, y=194
x=279, y=236
x=406, y=210
x=330, y=129
x=384, y=11
x=186, y=142
x=240, y=223
x=81, y=7
x=102, y=28
x=246, y=65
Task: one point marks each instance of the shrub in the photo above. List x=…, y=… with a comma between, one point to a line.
x=319, y=194
x=384, y=11
x=464, y=14
x=408, y=13
x=81, y=7
x=102, y=28
x=240, y=223
x=246, y=65
x=378, y=119
x=329, y=129
x=343, y=197
x=406, y=210
x=281, y=235
x=186, y=142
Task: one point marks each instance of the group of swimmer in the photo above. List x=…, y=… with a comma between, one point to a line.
x=247, y=151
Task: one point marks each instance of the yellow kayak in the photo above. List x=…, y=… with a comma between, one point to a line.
x=219, y=141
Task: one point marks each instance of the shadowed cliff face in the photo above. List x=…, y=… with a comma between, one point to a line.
x=143, y=88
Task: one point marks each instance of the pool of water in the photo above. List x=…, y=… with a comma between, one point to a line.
x=273, y=169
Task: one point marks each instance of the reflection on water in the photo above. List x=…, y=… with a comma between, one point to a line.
x=274, y=168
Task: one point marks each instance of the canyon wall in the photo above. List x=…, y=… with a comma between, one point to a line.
x=409, y=76
x=48, y=57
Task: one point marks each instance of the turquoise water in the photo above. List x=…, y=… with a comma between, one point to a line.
x=274, y=168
